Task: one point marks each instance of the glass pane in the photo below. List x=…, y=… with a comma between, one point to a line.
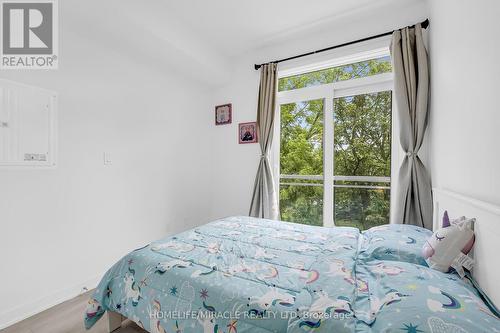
x=341, y=73
x=362, y=148
x=362, y=127
x=302, y=204
x=361, y=208
x=301, y=151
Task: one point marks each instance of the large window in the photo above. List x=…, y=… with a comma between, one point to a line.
x=336, y=144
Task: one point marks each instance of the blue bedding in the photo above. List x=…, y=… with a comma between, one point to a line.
x=398, y=242
x=241, y=274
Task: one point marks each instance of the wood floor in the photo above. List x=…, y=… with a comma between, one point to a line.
x=66, y=318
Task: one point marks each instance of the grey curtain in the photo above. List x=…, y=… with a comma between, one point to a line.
x=264, y=203
x=411, y=89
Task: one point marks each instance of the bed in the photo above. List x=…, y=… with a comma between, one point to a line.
x=241, y=274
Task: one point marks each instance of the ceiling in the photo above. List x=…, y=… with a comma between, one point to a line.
x=202, y=36
x=237, y=26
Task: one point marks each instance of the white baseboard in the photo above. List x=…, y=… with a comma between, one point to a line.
x=27, y=310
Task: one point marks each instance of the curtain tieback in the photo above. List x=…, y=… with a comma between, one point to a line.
x=411, y=154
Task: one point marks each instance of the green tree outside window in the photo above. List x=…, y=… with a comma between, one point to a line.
x=362, y=147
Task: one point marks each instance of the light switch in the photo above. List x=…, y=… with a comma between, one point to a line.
x=107, y=158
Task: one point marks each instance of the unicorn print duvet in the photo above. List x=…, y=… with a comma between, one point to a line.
x=242, y=274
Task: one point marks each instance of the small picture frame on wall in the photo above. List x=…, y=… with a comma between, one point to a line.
x=223, y=114
x=247, y=132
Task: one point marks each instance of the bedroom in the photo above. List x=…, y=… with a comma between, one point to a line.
x=141, y=124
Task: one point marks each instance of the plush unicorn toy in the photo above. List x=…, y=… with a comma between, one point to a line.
x=453, y=241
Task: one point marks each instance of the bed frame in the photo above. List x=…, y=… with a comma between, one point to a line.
x=486, y=249
x=114, y=321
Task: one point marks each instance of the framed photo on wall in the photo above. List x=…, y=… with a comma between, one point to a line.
x=223, y=114
x=247, y=132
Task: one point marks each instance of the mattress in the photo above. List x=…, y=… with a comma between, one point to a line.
x=242, y=274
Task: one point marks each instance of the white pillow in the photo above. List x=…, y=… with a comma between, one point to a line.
x=448, y=246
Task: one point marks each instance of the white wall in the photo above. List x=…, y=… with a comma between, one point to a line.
x=465, y=82
x=61, y=229
x=235, y=165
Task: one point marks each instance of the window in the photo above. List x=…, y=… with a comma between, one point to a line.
x=335, y=74
x=336, y=145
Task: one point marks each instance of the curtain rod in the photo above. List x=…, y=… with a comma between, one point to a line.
x=424, y=25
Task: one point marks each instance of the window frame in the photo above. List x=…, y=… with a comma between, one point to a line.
x=328, y=92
